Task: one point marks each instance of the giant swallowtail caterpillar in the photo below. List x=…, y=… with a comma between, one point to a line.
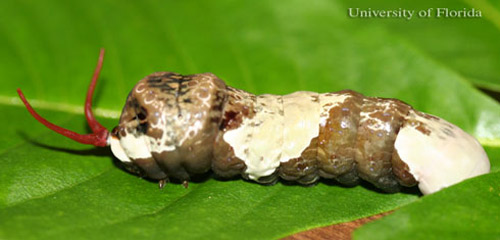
x=177, y=126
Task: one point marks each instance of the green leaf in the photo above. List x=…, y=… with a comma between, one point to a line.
x=469, y=210
x=52, y=188
x=469, y=46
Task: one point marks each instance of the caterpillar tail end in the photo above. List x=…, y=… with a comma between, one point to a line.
x=439, y=154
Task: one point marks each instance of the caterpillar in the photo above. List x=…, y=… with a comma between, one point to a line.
x=175, y=126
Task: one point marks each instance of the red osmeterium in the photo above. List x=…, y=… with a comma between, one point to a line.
x=94, y=125
x=100, y=134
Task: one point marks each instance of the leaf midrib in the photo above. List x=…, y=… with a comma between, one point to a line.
x=113, y=114
x=59, y=107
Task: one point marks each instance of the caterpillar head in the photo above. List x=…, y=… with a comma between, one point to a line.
x=169, y=122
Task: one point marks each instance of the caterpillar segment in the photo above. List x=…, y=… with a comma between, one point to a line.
x=176, y=126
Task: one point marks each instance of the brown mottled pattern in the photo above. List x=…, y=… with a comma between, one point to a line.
x=186, y=117
x=402, y=171
x=239, y=105
x=303, y=169
x=337, y=140
x=379, y=123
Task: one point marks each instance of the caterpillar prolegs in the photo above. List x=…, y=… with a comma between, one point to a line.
x=177, y=126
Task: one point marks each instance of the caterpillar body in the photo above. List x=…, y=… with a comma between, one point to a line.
x=177, y=126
